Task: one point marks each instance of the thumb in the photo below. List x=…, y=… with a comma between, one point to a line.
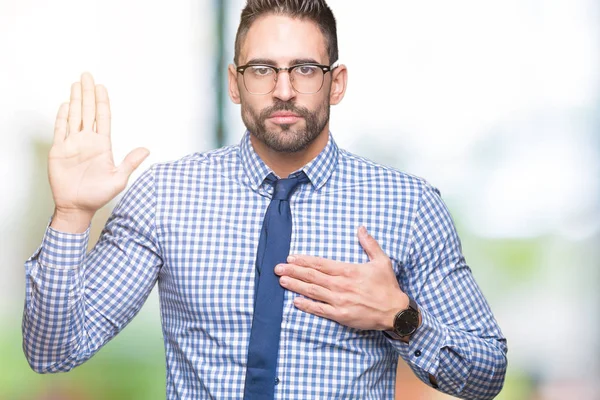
x=132, y=161
x=369, y=244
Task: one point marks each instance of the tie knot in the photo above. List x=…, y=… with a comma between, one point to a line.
x=285, y=187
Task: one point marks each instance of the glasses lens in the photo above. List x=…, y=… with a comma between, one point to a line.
x=259, y=79
x=307, y=79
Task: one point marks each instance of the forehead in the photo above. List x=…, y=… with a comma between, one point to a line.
x=282, y=39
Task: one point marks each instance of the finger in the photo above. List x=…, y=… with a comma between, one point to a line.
x=313, y=307
x=305, y=274
x=309, y=290
x=102, y=111
x=88, y=89
x=75, y=108
x=60, y=126
x=132, y=161
x=329, y=267
x=369, y=244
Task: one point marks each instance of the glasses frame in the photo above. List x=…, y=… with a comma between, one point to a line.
x=325, y=68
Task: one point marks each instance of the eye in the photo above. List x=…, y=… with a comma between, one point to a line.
x=306, y=70
x=260, y=71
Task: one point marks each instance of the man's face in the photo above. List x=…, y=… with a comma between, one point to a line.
x=284, y=120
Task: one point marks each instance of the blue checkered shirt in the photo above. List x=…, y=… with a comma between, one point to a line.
x=193, y=226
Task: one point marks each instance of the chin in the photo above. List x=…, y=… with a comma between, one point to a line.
x=290, y=141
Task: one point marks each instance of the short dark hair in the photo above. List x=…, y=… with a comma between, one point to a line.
x=315, y=10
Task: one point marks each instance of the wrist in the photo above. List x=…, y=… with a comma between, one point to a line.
x=398, y=303
x=71, y=221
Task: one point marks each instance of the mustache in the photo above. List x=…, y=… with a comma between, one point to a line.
x=284, y=106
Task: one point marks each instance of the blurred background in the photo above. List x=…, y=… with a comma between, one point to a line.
x=496, y=103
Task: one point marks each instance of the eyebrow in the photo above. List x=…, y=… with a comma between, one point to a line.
x=268, y=61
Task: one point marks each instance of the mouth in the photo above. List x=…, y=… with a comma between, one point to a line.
x=284, y=117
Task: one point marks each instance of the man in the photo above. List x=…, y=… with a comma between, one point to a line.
x=240, y=318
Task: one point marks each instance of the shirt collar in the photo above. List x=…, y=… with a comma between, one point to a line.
x=318, y=169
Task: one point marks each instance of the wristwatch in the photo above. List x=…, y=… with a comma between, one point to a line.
x=406, y=321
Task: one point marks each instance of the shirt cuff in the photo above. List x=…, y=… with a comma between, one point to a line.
x=422, y=352
x=62, y=250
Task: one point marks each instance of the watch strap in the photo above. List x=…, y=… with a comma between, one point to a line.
x=392, y=335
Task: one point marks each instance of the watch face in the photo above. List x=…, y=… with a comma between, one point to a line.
x=406, y=322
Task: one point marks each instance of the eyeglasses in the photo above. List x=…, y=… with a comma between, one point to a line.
x=262, y=79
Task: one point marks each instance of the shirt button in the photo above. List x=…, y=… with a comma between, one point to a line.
x=417, y=353
x=276, y=381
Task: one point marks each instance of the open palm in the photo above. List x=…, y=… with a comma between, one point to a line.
x=82, y=173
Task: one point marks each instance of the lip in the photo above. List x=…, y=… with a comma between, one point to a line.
x=283, y=117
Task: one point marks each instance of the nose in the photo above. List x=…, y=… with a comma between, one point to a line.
x=283, y=87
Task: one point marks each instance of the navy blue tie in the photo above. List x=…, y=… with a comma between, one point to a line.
x=273, y=249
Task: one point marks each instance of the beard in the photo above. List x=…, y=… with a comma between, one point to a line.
x=288, y=139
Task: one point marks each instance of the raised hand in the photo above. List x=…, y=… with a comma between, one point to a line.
x=83, y=176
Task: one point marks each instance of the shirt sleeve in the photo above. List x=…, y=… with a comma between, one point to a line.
x=76, y=302
x=459, y=341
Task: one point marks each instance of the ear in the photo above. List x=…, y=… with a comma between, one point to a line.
x=339, y=80
x=234, y=89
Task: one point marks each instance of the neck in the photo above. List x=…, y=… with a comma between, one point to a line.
x=283, y=164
